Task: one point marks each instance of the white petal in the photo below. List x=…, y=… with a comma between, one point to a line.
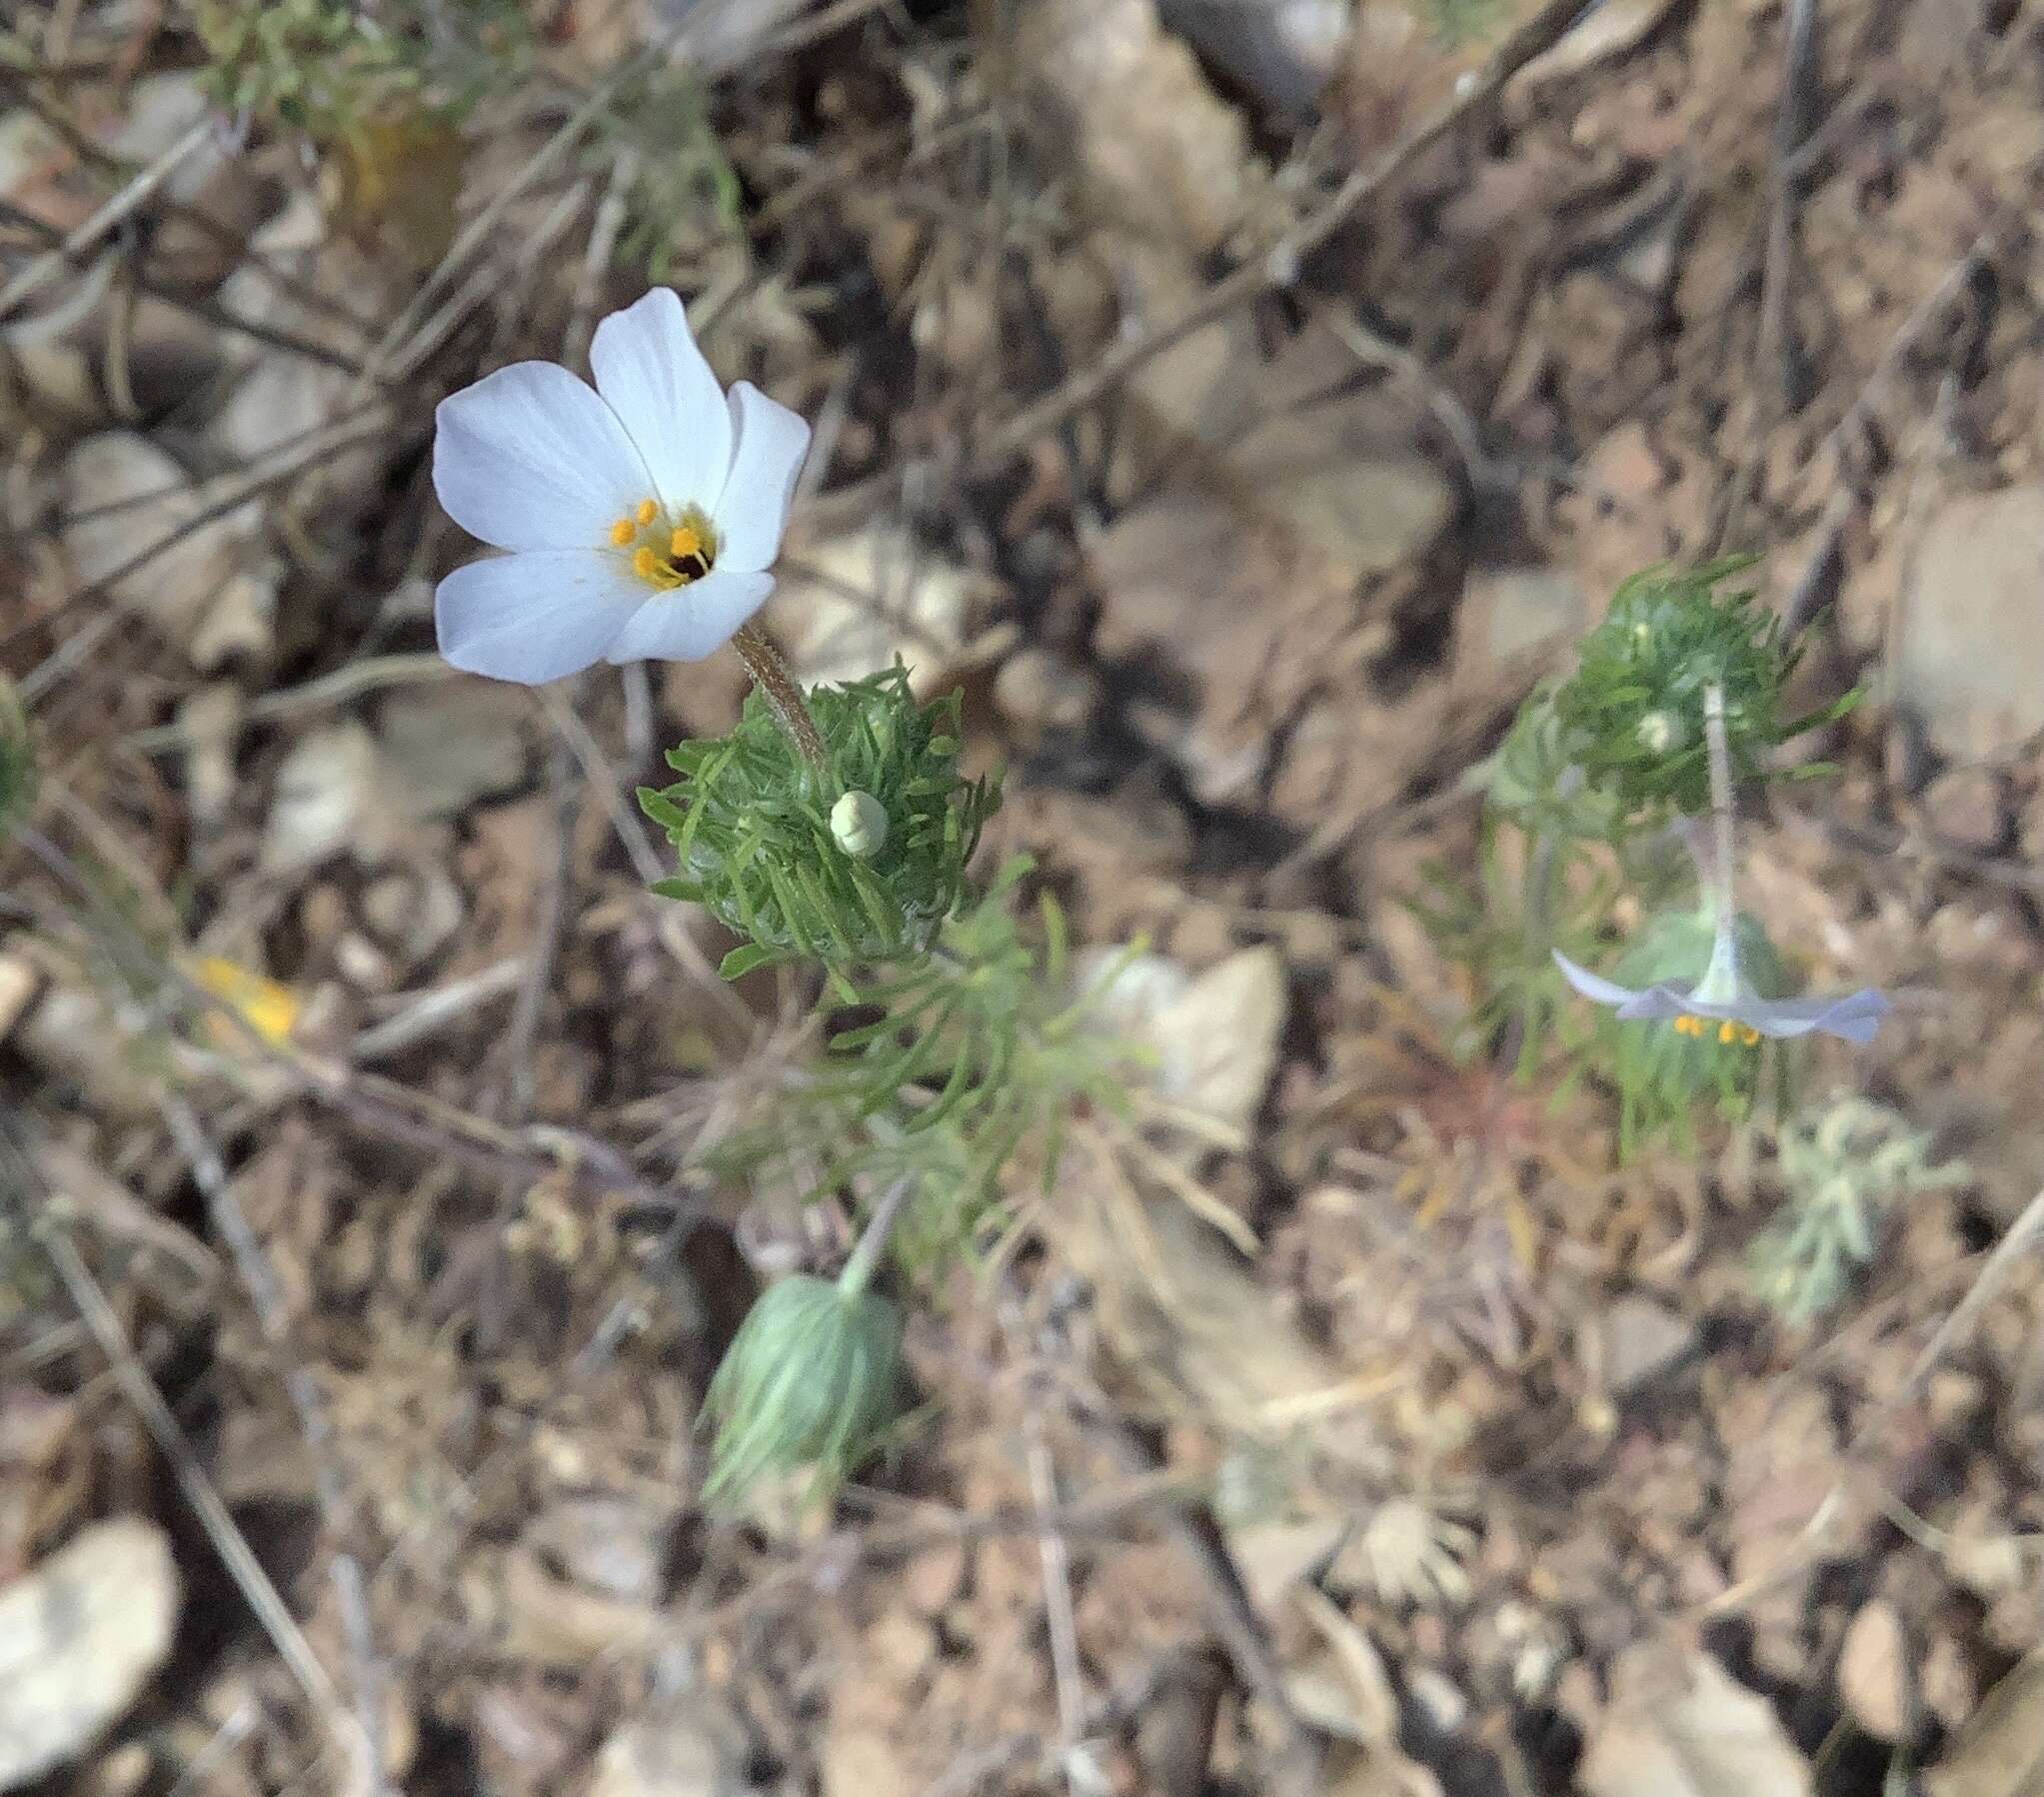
x=534, y=616
x=692, y=621
x=752, y=509
x=1659, y=1004
x=648, y=367
x=1592, y=986
x=1853, y=1017
x=531, y=458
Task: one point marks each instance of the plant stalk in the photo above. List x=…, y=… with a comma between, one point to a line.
x=1720, y=799
x=770, y=673
x=873, y=1239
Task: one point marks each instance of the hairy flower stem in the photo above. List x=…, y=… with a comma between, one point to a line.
x=873, y=1239
x=770, y=673
x=1720, y=799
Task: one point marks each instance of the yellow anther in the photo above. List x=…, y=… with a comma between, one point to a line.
x=645, y=563
x=1727, y=1032
x=648, y=512
x=1748, y=1034
x=686, y=542
x=622, y=532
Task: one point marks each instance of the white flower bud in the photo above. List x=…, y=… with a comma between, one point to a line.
x=1660, y=731
x=860, y=822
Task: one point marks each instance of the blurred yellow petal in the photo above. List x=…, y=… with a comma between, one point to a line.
x=267, y=1007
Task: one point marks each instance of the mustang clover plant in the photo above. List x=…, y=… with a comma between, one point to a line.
x=1677, y=695
x=640, y=518
x=1722, y=996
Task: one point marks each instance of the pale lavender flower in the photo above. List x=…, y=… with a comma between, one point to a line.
x=640, y=515
x=1724, y=996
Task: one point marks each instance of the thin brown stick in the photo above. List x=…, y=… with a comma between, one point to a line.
x=123, y=205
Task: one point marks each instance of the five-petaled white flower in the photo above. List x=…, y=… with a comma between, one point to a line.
x=1725, y=996
x=640, y=515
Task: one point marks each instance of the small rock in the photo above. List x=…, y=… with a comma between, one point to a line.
x=1509, y=616
x=1988, y=1565
x=1950, y=1690
x=849, y=605
x=333, y=796
x=1043, y=691
x=1970, y=659
x=691, y=1749
x=610, y=1545
x=862, y=1761
x=20, y=981
x=1642, y=1340
x=415, y=911
x=1283, y=51
x=449, y=743
x=1963, y=806
x=72, y=1036
x=1873, y=1672
x=904, y=1645
x=179, y=587
x=1157, y=148
x=207, y=722
x=1214, y=1034
x=79, y=1635
x=1610, y=30
x=933, y=1578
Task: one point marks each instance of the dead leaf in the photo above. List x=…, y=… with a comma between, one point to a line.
x=1679, y=1725
x=852, y=604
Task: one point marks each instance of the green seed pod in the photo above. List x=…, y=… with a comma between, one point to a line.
x=811, y=1379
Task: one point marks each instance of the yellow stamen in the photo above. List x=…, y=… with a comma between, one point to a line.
x=1748, y=1034
x=648, y=512
x=645, y=563
x=686, y=541
x=1727, y=1032
x=622, y=532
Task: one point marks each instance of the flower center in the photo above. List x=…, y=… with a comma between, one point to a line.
x=665, y=552
x=1727, y=1031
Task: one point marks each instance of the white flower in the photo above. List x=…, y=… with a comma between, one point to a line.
x=1727, y=998
x=641, y=517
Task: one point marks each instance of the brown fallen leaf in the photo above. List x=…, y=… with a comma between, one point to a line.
x=1679, y=1725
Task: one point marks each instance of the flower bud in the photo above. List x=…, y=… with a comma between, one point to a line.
x=811, y=1379
x=860, y=822
x=1660, y=731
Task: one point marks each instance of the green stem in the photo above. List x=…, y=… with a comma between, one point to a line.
x=873, y=1239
